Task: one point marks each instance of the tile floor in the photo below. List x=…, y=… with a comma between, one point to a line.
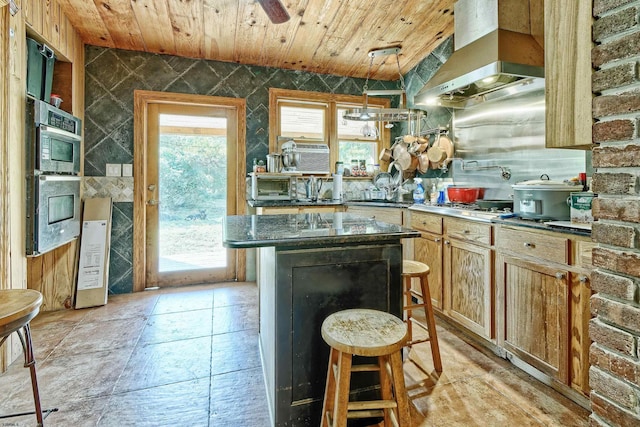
x=189, y=357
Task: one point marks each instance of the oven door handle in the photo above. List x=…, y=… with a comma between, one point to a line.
x=60, y=132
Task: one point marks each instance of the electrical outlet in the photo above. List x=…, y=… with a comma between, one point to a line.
x=127, y=169
x=114, y=169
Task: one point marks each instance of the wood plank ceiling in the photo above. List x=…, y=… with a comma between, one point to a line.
x=322, y=36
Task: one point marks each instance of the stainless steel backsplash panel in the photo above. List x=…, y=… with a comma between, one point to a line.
x=509, y=133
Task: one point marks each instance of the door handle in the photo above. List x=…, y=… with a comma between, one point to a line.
x=153, y=202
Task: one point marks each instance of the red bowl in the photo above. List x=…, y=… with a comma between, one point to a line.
x=463, y=194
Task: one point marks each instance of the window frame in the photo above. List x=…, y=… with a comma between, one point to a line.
x=333, y=101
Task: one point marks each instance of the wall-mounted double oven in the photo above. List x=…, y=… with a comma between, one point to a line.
x=53, y=144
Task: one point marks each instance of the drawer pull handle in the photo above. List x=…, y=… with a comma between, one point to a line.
x=582, y=278
x=529, y=245
x=466, y=232
x=446, y=242
x=559, y=276
x=437, y=240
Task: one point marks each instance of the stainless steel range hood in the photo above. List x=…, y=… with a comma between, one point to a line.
x=489, y=61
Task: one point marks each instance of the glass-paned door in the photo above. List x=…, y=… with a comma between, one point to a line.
x=188, y=177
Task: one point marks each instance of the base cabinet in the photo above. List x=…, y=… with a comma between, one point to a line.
x=428, y=249
x=468, y=286
x=536, y=314
x=543, y=291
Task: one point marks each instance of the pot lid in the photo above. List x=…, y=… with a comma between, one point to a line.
x=544, y=184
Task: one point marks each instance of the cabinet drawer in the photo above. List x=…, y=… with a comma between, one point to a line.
x=426, y=222
x=549, y=248
x=468, y=230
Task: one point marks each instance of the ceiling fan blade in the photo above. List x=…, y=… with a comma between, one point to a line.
x=274, y=10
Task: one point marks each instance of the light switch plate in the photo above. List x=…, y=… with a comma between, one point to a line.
x=114, y=169
x=127, y=169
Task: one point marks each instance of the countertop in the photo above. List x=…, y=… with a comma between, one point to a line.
x=326, y=202
x=308, y=230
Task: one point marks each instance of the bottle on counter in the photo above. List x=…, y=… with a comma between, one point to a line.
x=433, y=196
x=418, y=192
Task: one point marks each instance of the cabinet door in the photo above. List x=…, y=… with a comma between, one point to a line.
x=535, y=302
x=580, y=315
x=567, y=31
x=468, y=286
x=428, y=249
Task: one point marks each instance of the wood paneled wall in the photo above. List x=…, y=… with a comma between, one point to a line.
x=53, y=273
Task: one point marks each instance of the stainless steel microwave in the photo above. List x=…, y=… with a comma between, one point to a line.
x=53, y=211
x=53, y=139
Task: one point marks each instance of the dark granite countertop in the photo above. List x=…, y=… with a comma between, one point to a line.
x=326, y=202
x=287, y=203
x=308, y=230
x=525, y=223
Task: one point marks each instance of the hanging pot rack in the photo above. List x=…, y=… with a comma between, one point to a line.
x=366, y=114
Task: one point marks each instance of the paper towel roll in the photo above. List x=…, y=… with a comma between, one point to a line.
x=337, y=187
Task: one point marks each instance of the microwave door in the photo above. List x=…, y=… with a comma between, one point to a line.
x=57, y=151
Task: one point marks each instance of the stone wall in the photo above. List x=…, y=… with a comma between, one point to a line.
x=615, y=328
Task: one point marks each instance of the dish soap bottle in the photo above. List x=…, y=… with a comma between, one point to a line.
x=418, y=193
x=433, y=196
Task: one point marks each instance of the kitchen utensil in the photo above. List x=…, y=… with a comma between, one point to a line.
x=495, y=204
x=274, y=162
x=435, y=153
x=423, y=163
x=403, y=160
x=409, y=139
x=312, y=187
x=399, y=148
x=543, y=199
x=385, y=155
x=383, y=179
x=459, y=194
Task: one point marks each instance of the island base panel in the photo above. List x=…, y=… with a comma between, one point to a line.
x=309, y=285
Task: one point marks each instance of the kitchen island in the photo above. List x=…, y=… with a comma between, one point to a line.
x=309, y=266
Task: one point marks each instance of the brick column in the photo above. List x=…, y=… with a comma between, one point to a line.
x=615, y=328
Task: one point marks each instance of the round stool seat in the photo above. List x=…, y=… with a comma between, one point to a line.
x=17, y=308
x=364, y=332
x=414, y=268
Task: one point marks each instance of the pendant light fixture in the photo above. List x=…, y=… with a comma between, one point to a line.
x=366, y=114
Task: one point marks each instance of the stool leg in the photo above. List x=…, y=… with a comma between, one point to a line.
x=30, y=362
x=431, y=322
x=343, y=384
x=330, y=389
x=407, y=303
x=404, y=417
x=385, y=385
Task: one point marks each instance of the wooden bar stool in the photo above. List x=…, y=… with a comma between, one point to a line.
x=364, y=332
x=17, y=308
x=415, y=269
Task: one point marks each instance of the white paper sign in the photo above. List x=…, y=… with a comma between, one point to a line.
x=92, y=247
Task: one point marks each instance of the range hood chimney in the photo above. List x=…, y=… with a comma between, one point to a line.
x=495, y=55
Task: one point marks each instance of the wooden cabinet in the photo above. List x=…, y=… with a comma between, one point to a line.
x=428, y=248
x=535, y=314
x=460, y=256
x=468, y=275
x=543, y=292
x=567, y=50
